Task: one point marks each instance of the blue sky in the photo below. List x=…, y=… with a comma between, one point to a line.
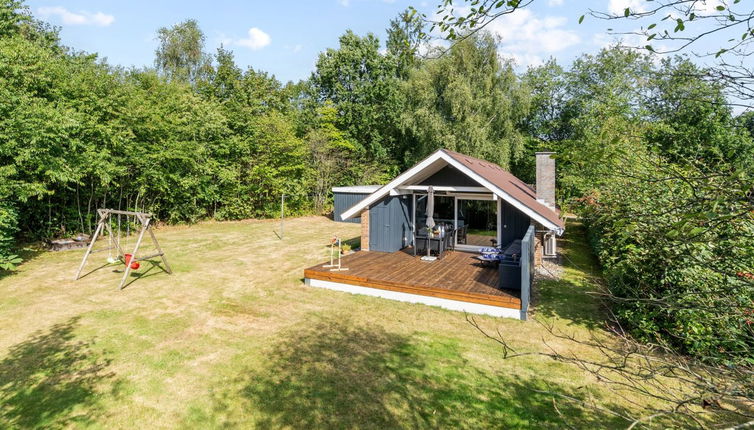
x=285, y=38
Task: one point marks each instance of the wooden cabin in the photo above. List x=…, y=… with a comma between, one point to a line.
x=477, y=206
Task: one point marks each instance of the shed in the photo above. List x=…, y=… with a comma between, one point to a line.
x=346, y=197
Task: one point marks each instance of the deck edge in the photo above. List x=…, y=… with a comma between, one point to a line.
x=454, y=305
x=421, y=290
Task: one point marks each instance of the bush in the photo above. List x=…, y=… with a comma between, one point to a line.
x=676, y=245
x=8, y=230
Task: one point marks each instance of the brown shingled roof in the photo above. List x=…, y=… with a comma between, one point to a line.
x=510, y=184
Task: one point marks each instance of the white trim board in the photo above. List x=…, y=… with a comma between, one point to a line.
x=357, y=189
x=453, y=305
x=425, y=188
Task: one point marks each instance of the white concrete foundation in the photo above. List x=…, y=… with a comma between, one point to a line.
x=454, y=305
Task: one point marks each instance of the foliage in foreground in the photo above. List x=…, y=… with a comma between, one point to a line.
x=654, y=161
x=675, y=244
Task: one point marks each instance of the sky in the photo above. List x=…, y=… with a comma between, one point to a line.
x=285, y=38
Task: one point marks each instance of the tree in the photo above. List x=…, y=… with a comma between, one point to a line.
x=545, y=125
x=13, y=16
x=746, y=121
x=467, y=101
x=694, y=119
x=334, y=156
x=547, y=84
x=602, y=119
x=77, y=134
x=362, y=85
x=224, y=79
x=675, y=26
x=664, y=27
x=180, y=55
x=404, y=38
x=462, y=23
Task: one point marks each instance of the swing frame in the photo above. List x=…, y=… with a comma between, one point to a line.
x=145, y=220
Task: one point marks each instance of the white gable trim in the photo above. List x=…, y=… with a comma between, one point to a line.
x=440, y=155
x=382, y=192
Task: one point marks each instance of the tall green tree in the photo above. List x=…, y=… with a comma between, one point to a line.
x=692, y=116
x=548, y=88
x=467, y=101
x=223, y=80
x=362, y=84
x=404, y=38
x=601, y=123
x=180, y=54
x=335, y=156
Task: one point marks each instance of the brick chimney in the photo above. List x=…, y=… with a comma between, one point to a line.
x=546, y=178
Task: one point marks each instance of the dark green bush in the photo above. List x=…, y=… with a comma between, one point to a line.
x=676, y=245
x=8, y=230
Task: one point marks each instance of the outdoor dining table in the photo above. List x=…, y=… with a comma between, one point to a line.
x=435, y=243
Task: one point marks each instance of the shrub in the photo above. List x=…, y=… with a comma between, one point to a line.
x=8, y=229
x=676, y=245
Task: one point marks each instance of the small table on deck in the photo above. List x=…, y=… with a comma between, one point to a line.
x=435, y=243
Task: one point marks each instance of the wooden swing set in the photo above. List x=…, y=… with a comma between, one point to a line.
x=131, y=260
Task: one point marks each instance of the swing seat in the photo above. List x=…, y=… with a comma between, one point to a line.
x=134, y=265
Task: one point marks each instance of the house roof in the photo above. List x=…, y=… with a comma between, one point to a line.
x=507, y=182
x=489, y=175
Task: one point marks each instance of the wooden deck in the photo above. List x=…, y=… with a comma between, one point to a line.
x=479, y=240
x=457, y=276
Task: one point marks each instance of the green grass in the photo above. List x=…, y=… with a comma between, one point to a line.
x=234, y=339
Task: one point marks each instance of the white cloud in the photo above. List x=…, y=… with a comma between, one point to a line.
x=223, y=40
x=617, y=7
x=527, y=38
x=554, y=2
x=707, y=7
x=81, y=18
x=257, y=39
x=344, y=3
x=433, y=45
x=629, y=41
x=522, y=59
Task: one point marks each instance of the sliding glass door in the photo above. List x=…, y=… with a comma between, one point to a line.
x=476, y=222
x=474, y=217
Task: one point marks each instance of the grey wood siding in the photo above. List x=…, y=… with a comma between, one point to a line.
x=344, y=201
x=390, y=224
x=513, y=224
x=449, y=176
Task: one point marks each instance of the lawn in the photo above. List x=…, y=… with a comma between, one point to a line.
x=235, y=339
